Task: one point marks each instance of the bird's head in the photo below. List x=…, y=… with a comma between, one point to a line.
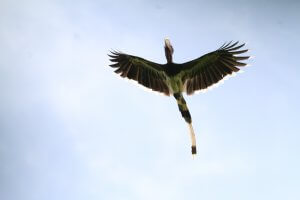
x=168, y=50
x=168, y=45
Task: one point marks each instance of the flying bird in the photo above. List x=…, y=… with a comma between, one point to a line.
x=175, y=79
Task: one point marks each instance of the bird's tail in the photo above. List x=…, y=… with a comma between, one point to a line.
x=187, y=117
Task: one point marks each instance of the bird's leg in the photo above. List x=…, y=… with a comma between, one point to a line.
x=187, y=117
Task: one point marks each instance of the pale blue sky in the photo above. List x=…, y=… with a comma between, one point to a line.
x=71, y=129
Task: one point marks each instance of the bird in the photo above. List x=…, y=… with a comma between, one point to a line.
x=174, y=79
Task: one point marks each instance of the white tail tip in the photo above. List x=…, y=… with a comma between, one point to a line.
x=193, y=139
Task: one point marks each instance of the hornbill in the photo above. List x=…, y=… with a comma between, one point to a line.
x=174, y=79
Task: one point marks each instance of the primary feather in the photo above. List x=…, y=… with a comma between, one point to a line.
x=146, y=73
x=210, y=68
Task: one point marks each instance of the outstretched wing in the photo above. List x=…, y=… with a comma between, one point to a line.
x=210, y=68
x=146, y=73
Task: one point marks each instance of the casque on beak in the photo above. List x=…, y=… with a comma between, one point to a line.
x=168, y=45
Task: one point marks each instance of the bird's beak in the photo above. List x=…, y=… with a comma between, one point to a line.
x=167, y=42
x=168, y=45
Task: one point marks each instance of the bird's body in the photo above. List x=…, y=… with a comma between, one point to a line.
x=172, y=69
x=174, y=82
x=174, y=79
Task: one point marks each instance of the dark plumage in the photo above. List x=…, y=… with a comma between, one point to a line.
x=173, y=79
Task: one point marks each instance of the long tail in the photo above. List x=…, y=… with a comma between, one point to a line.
x=187, y=117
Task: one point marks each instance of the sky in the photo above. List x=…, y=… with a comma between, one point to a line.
x=72, y=129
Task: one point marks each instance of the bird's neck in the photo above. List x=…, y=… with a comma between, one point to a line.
x=168, y=54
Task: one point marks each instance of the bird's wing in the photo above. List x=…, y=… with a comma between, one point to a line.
x=146, y=73
x=210, y=68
